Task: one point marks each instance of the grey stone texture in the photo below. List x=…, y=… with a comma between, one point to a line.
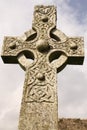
x=50, y=51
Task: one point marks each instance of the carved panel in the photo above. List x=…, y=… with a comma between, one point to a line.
x=44, y=20
x=40, y=82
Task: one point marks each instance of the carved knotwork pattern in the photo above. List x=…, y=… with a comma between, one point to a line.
x=66, y=46
x=40, y=90
x=20, y=45
x=44, y=13
x=77, y=42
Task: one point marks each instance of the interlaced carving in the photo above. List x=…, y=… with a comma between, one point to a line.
x=38, y=87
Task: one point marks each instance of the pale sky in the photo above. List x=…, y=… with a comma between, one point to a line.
x=15, y=19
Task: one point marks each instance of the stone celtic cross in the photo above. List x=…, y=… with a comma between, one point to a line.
x=50, y=50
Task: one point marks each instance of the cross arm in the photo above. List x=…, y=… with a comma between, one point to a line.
x=72, y=47
x=10, y=49
x=75, y=49
x=13, y=46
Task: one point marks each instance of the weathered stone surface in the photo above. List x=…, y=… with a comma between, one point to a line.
x=50, y=50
